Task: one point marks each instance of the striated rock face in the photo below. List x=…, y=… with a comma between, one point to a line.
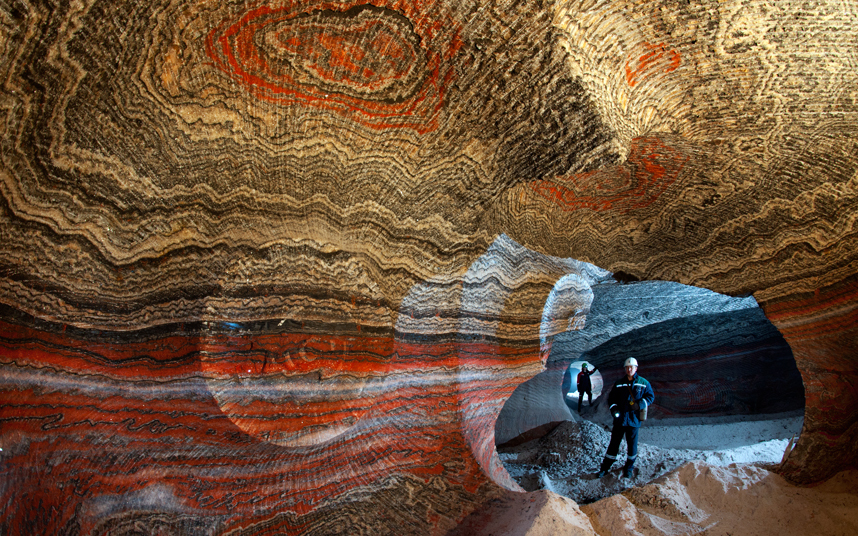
x=273, y=267
x=275, y=426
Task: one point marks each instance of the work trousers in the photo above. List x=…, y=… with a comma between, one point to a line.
x=581, y=398
x=631, y=434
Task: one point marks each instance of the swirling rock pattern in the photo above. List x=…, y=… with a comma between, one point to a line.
x=190, y=190
x=381, y=67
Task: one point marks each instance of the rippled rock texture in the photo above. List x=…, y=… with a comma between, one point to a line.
x=274, y=266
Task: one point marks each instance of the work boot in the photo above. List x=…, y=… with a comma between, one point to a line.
x=627, y=472
x=603, y=469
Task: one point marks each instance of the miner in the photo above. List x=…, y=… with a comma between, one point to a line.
x=628, y=402
x=584, y=385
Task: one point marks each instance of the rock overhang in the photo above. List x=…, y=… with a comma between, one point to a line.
x=175, y=167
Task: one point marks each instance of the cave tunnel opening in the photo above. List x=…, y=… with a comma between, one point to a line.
x=727, y=390
x=574, y=394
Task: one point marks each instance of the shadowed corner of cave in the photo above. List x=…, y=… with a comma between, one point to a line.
x=726, y=383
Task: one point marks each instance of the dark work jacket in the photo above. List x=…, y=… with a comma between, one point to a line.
x=629, y=397
x=584, y=380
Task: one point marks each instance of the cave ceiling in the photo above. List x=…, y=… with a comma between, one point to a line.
x=274, y=266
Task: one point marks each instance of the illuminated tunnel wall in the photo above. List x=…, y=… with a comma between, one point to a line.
x=733, y=363
x=691, y=338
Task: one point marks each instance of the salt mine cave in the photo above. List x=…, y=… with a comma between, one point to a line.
x=280, y=267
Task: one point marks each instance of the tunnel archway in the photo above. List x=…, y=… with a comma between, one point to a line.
x=570, y=387
x=711, y=358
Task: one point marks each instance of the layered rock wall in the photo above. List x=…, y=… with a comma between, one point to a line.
x=217, y=221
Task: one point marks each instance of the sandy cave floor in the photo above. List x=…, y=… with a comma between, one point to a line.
x=695, y=499
x=711, y=476
x=565, y=460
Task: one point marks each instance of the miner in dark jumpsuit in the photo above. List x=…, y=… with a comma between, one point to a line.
x=584, y=385
x=628, y=402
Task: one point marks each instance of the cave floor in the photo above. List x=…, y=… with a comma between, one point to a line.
x=565, y=460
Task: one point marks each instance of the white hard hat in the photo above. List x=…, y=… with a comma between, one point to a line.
x=631, y=361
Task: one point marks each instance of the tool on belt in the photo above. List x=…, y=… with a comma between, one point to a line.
x=632, y=402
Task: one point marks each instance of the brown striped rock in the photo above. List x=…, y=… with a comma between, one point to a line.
x=273, y=267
